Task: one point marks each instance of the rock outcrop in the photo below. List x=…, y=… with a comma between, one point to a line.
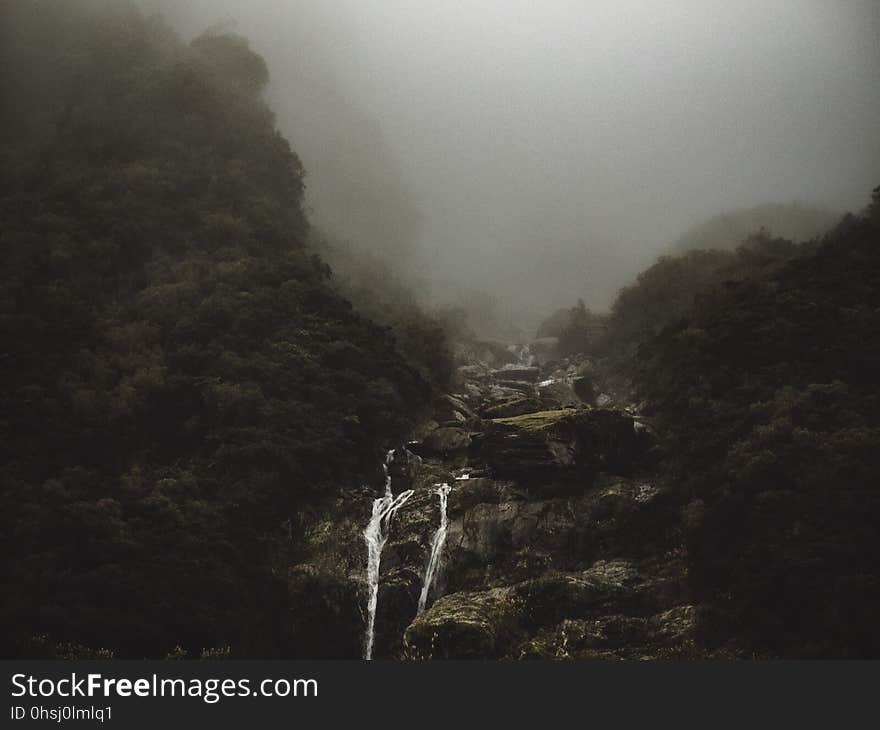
x=450, y=410
x=611, y=606
x=558, y=542
x=559, y=443
x=444, y=441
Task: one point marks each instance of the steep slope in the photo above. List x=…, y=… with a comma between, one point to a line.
x=672, y=287
x=556, y=540
x=179, y=376
x=768, y=392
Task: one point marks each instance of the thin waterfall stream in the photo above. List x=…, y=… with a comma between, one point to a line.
x=436, y=546
x=376, y=535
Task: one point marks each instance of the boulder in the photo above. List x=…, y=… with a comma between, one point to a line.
x=399, y=589
x=456, y=419
x=559, y=394
x=421, y=431
x=559, y=443
x=473, y=372
x=467, y=625
x=512, y=372
x=531, y=445
x=584, y=388
x=669, y=634
x=449, y=407
x=521, y=386
x=494, y=622
x=451, y=410
x=608, y=586
x=677, y=625
x=517, y=406
x=445, y=440
x=488, y=530
x=404, y=469
x=595, y=638
x=496, y=394
x=472, y=392
x=499, y=532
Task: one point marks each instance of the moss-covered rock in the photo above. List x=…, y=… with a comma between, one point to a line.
x=611, y=605
x=595, y=638
x=450, y=410
x=469, y=493
x=502, y=532
x=468, y=625
x=607, y=586
x=666, y=635
x=521, y=374
x=516, y=406
x=560, y=442
x=444, y=441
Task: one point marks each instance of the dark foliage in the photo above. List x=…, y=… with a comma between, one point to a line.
x=372, y=286
x=671, y=288
x=768, y=389
x=583, y=332
x=555, y=323
x=178, y=373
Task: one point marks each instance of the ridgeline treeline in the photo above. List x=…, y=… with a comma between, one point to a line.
x=761, y=367
x=768, y=391
x=179, y=373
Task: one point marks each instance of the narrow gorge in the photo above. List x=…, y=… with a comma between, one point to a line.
x=368, y=331
x=527, y=522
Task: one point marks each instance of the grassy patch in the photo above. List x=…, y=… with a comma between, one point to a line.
x=537, y=421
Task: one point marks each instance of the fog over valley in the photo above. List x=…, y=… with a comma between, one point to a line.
x=464, y=329
x=545, y=151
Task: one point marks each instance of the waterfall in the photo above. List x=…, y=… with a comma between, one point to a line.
x=436, y=547
x=523, y=354
x=375, y=535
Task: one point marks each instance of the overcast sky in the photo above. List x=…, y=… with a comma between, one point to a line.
x=548, y=150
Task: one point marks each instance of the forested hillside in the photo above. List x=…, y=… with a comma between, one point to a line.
x=672, y=287
x=765, y=384
x=178, y=372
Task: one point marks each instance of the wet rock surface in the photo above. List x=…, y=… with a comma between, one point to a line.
x=559, y=543
x=562, y=442
x=445, y=440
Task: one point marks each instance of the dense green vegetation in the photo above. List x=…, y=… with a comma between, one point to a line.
x=673, y=286
x=578, y=330
x=179, y=373
x=766, y=385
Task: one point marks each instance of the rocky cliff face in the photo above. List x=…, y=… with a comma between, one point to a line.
x=559, y=542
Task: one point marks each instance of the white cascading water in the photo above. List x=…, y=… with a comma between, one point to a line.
x=375, y=535
x=523, y=355
x=436, y=547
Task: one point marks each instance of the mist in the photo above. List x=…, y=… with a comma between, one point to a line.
x=542, y=152
x=467, y=330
